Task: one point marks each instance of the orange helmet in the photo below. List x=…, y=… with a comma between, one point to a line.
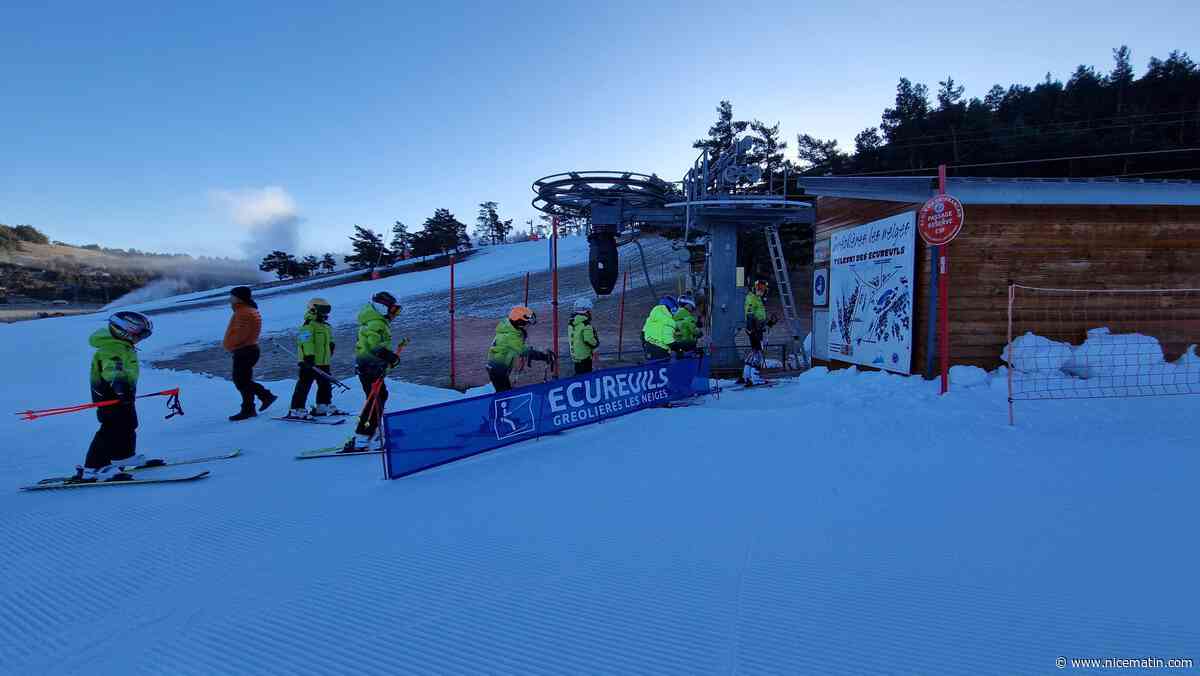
x=520, y=313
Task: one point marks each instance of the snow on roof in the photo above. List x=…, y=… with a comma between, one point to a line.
x=969, y=190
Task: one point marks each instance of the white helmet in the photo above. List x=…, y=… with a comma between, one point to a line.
x=583, y=305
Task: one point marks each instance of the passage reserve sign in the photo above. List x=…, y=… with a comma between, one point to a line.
x=871, y=293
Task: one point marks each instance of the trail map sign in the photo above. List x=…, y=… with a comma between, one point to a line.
x=871, y=294
x=940, y=219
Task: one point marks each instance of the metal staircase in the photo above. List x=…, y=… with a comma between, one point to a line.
x=787, y=299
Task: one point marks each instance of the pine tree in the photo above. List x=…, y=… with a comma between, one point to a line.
x=768, y=150
x=328, y=263
x=442, y=233
x=818, y=155
x=401, y=240
x=369, y=250
x=310, y=264
x=485, y=223
x=281, y=263
x=1121, y=76
x=722, y=133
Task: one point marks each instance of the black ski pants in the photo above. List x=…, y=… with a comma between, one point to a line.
x=304, y=384
x=372, y=411
x=654, y=352
x=117, y=436
x=584, y=366
x=499, y=378
x=244, y=359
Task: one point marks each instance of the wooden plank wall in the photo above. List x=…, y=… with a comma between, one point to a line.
x=1092, y=247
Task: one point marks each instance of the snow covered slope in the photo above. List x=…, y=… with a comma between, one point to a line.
x=842, y=522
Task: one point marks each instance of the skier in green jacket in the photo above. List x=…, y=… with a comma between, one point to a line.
x=757, y=323
x=658, y=332
x=687, y=329
x=114, y=375
x=509, y=345
x=583, y=336
x=315, y=348
x=374, y=356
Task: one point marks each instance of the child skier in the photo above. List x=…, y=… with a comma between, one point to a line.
x=583, y=336
x=114, y=375
x=757, y=324
x=315, y=346
x=687, y=330
x=374, y=357
x=509, y=344
x=658, y=332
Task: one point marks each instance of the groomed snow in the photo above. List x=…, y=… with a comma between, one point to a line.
x=842, y=522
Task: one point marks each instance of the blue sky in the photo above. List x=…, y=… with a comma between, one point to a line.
x=175, y=128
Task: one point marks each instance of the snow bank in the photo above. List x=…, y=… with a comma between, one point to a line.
x=968, y=376
x=1107, y=354
x=1032, y=353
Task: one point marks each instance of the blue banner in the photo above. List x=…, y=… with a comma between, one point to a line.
x=429, y=436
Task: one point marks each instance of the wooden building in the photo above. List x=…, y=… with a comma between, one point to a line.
x=1054, y=233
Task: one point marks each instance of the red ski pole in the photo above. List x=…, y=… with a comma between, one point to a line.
x=172, y=403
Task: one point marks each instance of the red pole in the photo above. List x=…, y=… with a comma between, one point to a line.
x=526, y=303
x=943, y=264
x=452, y=342
x=621, y=315
x=554, y=283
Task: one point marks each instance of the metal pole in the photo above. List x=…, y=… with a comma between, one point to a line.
x=526, y=303
x=944, y=296
x=621, y=315
x=554, y=284
x=452, y=341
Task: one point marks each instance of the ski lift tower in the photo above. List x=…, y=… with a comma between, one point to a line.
x=713, y=202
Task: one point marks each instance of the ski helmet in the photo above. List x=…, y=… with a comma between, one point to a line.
x=583, y=305
x=130, y=326
x=687, y=301
x=761, y=287
x=522, y=316
x=319, y=307
x=386, y=304
x=669, y=303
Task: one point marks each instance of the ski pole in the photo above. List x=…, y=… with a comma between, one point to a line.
x=172, y=404
x=318, y=371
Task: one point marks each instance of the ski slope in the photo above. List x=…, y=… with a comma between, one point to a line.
x=841, y=522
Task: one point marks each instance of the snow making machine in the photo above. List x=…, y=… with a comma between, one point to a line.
x=718, y=197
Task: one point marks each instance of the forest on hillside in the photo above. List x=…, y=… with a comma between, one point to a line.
x=1113, y=123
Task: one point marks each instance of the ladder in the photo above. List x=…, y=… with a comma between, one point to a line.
x=784, y=283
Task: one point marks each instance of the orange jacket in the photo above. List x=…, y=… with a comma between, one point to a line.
x=244, y=327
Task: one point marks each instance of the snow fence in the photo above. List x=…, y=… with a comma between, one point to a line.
x=425, y=437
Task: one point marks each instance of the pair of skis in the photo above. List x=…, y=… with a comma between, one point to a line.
x=56, y=483
x=335, y=418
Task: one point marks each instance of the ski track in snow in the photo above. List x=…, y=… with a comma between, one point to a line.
x=823, y=526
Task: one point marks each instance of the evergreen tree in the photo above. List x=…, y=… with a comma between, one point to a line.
x=281, y=263
x=310, y=264
x=722, y=133
x=819, y=156
x=768, y=149
x=369, y=249
x=401, y=240
x=328, y=263
x=1122, y=75
x=442, y=233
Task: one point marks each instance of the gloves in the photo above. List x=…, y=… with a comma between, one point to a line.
x=332, y=347
x=772, y=320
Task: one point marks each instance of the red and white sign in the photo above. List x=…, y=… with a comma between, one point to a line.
x=940, y=219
